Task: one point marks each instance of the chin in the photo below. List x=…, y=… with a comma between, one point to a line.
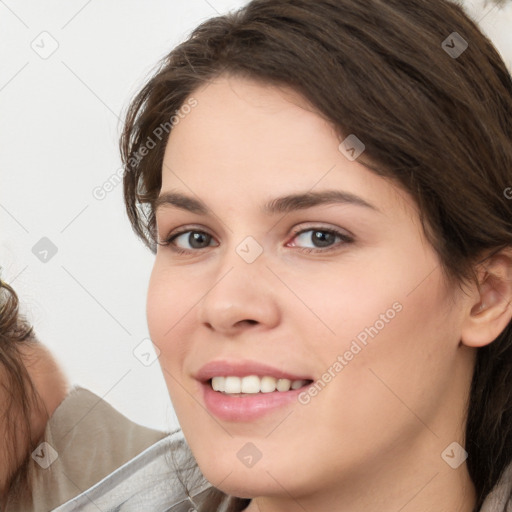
x=225, y=469
x=248, y=484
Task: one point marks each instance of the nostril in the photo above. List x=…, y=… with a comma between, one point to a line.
x=251, y=322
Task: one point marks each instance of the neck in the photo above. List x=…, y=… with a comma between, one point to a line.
x=421, y=483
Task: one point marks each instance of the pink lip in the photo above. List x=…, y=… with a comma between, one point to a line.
x=246, y=408
x=249, y=407
x=242, y=369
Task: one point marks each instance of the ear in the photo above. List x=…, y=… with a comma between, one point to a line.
x=490, y=306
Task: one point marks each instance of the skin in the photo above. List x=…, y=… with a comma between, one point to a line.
x=372, y=438
x=50, y=381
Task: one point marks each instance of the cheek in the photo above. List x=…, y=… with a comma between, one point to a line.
x=167, y=297
x=164, y=310
x=351, y=301
x=393, y=318
x=167, y=303
x=155, y=306
x=386, y=292
x=411, y=356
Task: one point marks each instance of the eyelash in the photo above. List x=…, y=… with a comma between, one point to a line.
x=344, y=237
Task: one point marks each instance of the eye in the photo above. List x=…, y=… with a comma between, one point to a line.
x=195, y=238
x=323, y=237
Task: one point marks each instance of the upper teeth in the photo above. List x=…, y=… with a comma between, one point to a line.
x=254, y=384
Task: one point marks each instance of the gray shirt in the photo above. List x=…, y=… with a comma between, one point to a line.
x=148, y=482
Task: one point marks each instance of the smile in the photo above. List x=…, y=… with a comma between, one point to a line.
x=252, y=384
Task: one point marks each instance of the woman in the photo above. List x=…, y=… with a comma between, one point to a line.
x=327, y=189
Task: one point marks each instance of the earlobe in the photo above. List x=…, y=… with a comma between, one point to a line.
x=490, y=308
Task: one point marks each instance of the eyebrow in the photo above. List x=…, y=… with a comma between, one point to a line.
x=284, y=204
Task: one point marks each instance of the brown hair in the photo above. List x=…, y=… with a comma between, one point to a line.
x=439, y=126
x=19, y=396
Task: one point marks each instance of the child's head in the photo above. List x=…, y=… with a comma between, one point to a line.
x=399, y=315
x=18, y=396
x=31, y=387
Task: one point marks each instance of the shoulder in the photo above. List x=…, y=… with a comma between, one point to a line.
x=150, y=481
x=85, y=440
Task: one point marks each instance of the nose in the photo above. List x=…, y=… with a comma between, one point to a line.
x=241, y=296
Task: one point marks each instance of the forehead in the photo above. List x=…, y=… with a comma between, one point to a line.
x=245, y=139
x=242, y=115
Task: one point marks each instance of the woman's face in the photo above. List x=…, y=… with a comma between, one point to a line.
x=364, y=315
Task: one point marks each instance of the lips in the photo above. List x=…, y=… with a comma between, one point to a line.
x=250, y=407
x=244, y=369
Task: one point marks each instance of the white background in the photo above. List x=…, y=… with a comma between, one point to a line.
x=59, y=129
